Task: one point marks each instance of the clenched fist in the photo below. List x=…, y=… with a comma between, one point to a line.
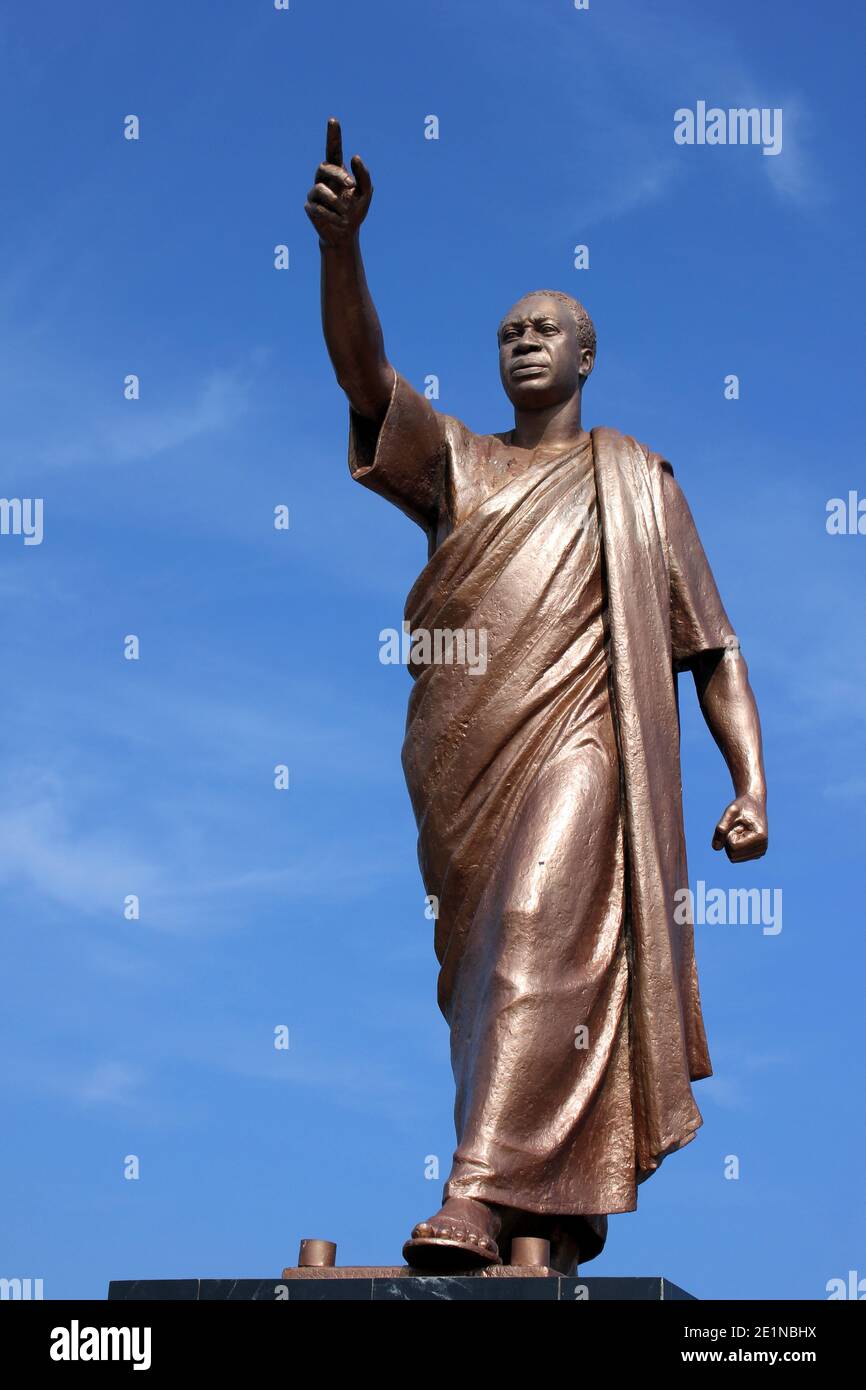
x=742, y=830
x=337, y=203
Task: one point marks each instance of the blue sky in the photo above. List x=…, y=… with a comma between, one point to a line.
x=305, y=908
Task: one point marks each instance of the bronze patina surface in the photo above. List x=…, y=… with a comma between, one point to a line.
x=546, y=780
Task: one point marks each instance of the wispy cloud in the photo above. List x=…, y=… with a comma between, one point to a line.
x=854, y=789
x=628, y=190
x=619, y=65
x=108, y=1083
x=734, y=1082
x=184, y=883
x=139, y=431
x=88, y=871
x=794, y=174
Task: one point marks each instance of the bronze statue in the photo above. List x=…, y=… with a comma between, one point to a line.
x=547, y=786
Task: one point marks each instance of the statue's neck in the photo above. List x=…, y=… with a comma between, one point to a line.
x=555, y=427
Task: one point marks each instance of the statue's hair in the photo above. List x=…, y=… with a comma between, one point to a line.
x=585, y=326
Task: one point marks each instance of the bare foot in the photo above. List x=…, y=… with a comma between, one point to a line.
x=462, y=1235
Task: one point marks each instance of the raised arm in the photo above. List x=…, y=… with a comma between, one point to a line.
x=337, y=205
x=728, y=705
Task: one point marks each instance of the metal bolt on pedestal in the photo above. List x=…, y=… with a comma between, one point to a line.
x=530, y=1251
x=317, y=1254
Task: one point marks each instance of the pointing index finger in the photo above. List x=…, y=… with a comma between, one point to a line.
x=334, y=142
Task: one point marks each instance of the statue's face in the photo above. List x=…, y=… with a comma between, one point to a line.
x=541, y=362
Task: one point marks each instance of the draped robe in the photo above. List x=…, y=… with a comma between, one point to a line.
x=547, y=794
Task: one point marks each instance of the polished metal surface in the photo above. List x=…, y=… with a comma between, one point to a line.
x=546, y=780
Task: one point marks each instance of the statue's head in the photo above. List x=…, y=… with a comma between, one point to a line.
x=546, y=349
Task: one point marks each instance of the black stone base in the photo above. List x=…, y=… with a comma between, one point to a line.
x=448, y=1288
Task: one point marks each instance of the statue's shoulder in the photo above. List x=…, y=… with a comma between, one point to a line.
x=623, y=444
x=459, y=433
x=474, y=444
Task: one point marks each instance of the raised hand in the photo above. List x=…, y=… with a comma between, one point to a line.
x=337, y=203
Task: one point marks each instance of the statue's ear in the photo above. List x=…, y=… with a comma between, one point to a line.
x=587, y=362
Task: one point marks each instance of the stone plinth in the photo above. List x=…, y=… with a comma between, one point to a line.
x=400, y=1284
